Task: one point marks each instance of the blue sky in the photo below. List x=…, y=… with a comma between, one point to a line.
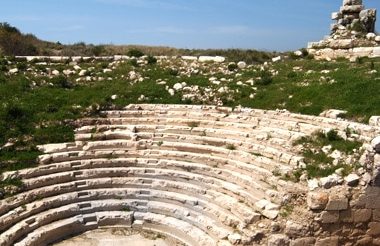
x=258, y=24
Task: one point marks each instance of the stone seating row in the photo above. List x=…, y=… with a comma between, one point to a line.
x=211, y=197
x=32, y=224
x=262, y=144
x=226, y=211
x=250, y=195
x=173, y=227
x=282, y=116
x=255, y=155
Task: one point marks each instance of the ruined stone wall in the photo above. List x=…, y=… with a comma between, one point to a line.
x=352, y=35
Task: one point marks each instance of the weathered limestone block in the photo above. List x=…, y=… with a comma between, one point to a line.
x=368, y=19
x=351, y=9
x=333, y=113
x=337, y=202
x=365, y=241
x=376, y=242
x=352, y=2
x=362, y=215
x=331, y=181
x=372, y=198
x=346, y=216
x=336, y=16
x=278, y=240
x=376, y=144
x=217, y=59
x=308, y=241
x=376, y=215
x=375, y=120
x=374, y=228
x=329, y=241
x=352, y=180
x=294, y=230
x=317, y=200
x=329, y=217
x=362, y=51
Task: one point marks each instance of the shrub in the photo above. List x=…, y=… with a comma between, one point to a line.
x=22, y=66
x=360, y=60
x=135, y=53
x=332, y=135
x=98, y=50
x=291, y=75
x=151, y=60
x=372, y=65
x=358, y=27
x=2, y=79
x=173, y=72
x=266, y=78
x=193, y=124
x=15, y=113
x=231, y=147
x=305, y=53
x=232, y=67
x=61, y=81
x=134, y=63
x=310, y=57
x=8, y=28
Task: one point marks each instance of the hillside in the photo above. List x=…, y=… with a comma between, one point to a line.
x=14, y=43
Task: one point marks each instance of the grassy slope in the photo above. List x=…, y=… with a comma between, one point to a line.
x=35, y=115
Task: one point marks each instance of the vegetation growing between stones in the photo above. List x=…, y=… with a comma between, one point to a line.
x=318, y=162
x=10, y=186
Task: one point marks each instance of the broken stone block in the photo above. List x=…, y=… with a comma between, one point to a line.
x=303, y=241
x=329, y=217
x=329, y=241
x=337, y=203
x=352, y=180
x=362, y=215
x=374, y=228
x=317, y=200
x=278, y=240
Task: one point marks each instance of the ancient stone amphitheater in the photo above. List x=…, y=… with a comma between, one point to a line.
x=203, y=175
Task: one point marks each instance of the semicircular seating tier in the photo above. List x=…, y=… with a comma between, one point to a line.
x=200, y=174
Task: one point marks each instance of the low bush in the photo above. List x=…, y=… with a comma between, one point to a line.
x=134, y=63
x=232, y=67
x=135, y=53
x=62, y=82
x=266, y=78
x=151, y=60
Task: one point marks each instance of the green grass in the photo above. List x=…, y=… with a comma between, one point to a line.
x=9, y=182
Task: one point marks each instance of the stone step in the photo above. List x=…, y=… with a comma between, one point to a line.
x=273, y=159
x=340, y=124
x=55, y=194
x=213, y=228
x=181, y=230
